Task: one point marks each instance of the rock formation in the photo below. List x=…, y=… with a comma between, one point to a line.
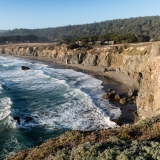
x=148, y=101
x=141, y=62
x=112, y=58
x=25, y=68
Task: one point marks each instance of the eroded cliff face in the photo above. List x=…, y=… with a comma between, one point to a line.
x=131, y=61
x=148, y=101
x=141, y=62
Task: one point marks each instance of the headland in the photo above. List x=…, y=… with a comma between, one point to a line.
x=123, y=68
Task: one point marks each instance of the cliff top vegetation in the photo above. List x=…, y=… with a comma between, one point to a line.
x=128, y=142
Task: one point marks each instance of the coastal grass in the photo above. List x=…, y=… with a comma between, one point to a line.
x=144, y=130
x=136, y=51
x=130, y=142
x=115, y=149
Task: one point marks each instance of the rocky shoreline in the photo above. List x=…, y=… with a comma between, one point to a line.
x=119, y=82
x=136, y=67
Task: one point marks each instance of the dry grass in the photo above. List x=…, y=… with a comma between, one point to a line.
x=71, y=142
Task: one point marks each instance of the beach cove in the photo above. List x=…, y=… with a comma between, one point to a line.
x=114, y=77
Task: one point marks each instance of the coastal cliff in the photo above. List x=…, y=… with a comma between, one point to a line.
x=130, y=60
x=148, y=100
x=139, y=61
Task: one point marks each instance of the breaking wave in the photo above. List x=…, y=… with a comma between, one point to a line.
x=49, y=100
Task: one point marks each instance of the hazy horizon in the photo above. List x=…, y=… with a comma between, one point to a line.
x=37, y=14
x=75, y=24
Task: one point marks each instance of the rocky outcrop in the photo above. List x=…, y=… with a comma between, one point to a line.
x=25, y=68
x=148, y=101
x=113, y=58
x=141, y=62
x=123, y=98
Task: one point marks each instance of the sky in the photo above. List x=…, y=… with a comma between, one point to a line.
x=33, y=14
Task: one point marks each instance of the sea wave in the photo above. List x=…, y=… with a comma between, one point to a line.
x=54, y=98
x=5, y=106
x=45, y=101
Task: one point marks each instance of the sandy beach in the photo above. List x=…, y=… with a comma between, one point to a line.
x=117, y=81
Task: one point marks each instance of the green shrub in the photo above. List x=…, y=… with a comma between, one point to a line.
x=72, y=46
x=115, y=149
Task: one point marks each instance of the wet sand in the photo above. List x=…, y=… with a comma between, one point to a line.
x=117, y=81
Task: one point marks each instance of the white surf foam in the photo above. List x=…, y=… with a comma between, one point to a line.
x=60, y=97
x=1, y=88
x=11, y=146
x=5, y=65
x=5, y=106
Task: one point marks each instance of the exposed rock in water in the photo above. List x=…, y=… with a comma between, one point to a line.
x=109, y=89
x=117, y=97
x=26, y=119
x=123, y=101
x=110, y=95
x=132, y=93
x=17, y=119
x=117, y=121
x=25, y=68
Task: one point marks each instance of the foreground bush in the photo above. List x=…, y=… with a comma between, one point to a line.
x=140, y=141
x=116, y=149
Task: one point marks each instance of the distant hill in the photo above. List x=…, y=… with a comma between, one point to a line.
x=147, y=26
x=2, y=31
x=21, y=39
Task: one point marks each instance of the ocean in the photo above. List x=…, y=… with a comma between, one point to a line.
x=46, y=101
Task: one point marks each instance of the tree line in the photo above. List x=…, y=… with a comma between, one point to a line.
x=88, y=41
x=117, y=38
x=21, y=39
x=146, y=26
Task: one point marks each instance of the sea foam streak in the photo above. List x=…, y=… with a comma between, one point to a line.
x=43, y=102
x=5, y=107
x=60, y=97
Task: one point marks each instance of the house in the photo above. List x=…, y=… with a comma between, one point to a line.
x=91, y=43
x=98, y=42
x=108, y=42
x=79, y=43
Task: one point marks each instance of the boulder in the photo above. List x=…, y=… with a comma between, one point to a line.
x=117, y=121
x=123, y=101
x=17, y=119
x=25, y=68
x=117, y=97
x=26, y=119
x=106, y=96
x=105, y=70
x=132, y=93
x=109, y=95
